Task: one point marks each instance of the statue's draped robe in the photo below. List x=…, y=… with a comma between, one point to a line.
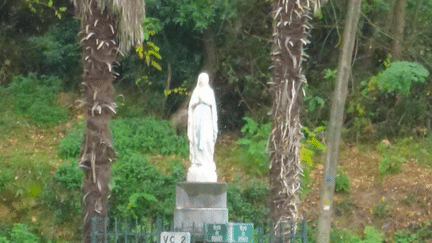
x=202, y=132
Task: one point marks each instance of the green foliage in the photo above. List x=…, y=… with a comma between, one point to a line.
x=399, y=75
x=313, y=102
x=372, y=235
x=391, y=159
x=178, y=170
x=346, y=236
x=198, y=14
x=255, y=143
x=69, y=174
x=345, y=207
x=69, y=145
x=147, y=135
x=61, y=194
x=248, y=204
x=140, y=190
x=46, y=115
x=151, y=26
x=309, y=146
x=21, y=234
x=149, y=52
x=381, y=210
x=4, y=240
x=36, y=98
x=404, y=236
x=392, y=103
x=6, y=177
x=406, y=149
x=391, y=164
x=312, y=138
x=343, y=235
x=57, y=53
x=342, y=182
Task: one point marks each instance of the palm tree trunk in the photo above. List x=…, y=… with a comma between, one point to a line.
x=287, y=53
x=99, y=50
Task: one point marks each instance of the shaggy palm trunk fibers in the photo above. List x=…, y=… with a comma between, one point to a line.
x=100, y=48
x=284, y=145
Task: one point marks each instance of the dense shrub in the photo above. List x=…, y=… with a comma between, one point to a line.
x=69, y=174
x=390, y=104
x=69, y=145
x=249, y=204
x=342, y=182
x=254, y=145
x=141, y=190
x=21, y=234
x=343, y=235
x=147, y=135
x=56, y=53
x=36, y=98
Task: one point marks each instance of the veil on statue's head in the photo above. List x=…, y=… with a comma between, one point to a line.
x=203, y=80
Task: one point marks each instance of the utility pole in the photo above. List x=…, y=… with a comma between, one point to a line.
x=336, y=122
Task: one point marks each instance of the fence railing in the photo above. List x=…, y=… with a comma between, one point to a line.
x=138, y=231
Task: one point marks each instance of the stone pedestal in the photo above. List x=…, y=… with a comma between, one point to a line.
x=200, y=203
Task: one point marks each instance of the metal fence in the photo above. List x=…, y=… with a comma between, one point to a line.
x=138, y=231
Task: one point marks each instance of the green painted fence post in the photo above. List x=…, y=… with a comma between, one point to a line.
x=94, y=229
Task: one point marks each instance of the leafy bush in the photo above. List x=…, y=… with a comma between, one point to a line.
x=255, y=144
x=36, y=98
x=391, y=164
x=399, y=75
x=21, y=234
x=62, y=195
x=345, y=207
x=141, y=190
x=309, y=146
x=69, y=174
x=133, y=134
x=43, y=114
x=6, y=176
x=390, y=104
x=178, y=170
x=381, y=210
x=342, y=181
x=248, y=204
x=404, y=236
x=343, y=235
x=69, y=146
x=147, y=135
x=313, y=138
x=4, y=240
x=57, y=53
x=372, y=235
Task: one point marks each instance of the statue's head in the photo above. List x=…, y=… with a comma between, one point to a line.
x=203, y=80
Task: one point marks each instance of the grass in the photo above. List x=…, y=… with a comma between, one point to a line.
x=411, y=149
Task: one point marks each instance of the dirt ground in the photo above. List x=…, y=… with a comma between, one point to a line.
x=406, y=196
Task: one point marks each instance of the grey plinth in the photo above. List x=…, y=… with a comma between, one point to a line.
x=199, y=203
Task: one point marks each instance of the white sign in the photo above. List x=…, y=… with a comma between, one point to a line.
x=175, y=237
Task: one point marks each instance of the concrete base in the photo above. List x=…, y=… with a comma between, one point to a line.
x=198, y=204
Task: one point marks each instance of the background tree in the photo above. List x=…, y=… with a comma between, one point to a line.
x=398, y=27
x=108, y=27
x=336, y=121
x=289, y=37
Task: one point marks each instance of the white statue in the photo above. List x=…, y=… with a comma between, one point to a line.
x=202, y=132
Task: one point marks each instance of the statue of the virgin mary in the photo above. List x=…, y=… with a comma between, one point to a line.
x=202, y=132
